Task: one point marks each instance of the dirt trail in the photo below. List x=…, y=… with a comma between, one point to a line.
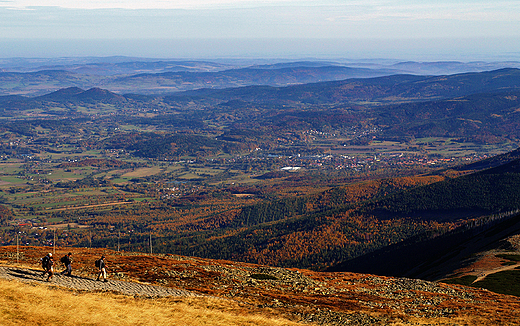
x=483, y=275
x=90, y=284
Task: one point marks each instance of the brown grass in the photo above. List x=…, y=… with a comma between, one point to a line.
x=236, y=299
x=30, y=304
x=142, y=172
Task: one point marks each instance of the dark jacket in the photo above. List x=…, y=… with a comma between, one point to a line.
x=66, y=260
x=47, y=262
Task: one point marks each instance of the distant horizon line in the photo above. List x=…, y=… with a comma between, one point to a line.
x=114, y=58
x=403, y=49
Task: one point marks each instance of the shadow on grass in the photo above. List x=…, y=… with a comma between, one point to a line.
x=506, y=282
x=35, y=274
x=464, y=280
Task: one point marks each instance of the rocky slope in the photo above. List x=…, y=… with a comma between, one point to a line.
x=301, y=295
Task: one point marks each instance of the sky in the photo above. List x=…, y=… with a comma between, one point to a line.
x=423, y=29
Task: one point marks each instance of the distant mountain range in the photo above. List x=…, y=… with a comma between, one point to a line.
x=175, y=81
x=387, y=89
x=480, y=107
x=151, y=76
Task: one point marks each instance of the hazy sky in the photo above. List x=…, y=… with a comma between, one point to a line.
x=291, y=28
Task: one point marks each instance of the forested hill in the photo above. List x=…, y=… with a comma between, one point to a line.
x=345, y=222
x=495, y=161
x=434, y=257
x=486, y=191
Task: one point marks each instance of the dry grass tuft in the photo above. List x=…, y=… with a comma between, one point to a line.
x=30, y=304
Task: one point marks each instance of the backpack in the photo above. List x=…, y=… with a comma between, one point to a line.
x=64, y=259
x=45, y=261
x=97, y=263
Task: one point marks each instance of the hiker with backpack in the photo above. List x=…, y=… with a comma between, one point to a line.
x=47, y=263
x=100, y=263
x=67, y=261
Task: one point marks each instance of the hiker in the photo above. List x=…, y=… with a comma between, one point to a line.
x=67, y=261
x=47, y=263
x=100, y=263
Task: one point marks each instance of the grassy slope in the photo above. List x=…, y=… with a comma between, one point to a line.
x=27, y=304
x=243, y=294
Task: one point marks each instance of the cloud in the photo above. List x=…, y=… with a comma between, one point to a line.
x=269, y=19
x=448, y=11
x=341, y=10
x=145, y=4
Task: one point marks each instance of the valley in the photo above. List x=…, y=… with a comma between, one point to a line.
x=307, y=175
x=264, y=163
